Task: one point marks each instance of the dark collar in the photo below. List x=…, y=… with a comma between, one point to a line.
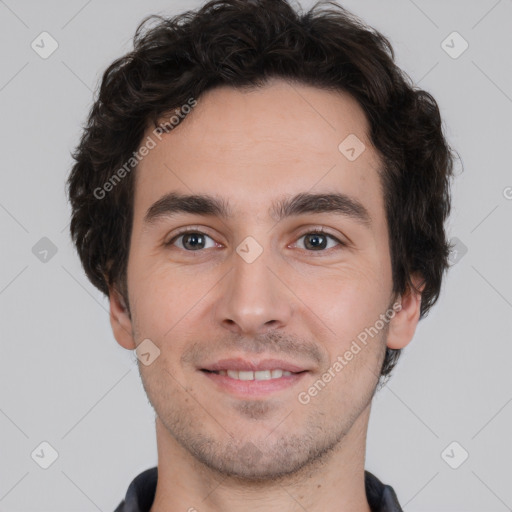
x=141, y=493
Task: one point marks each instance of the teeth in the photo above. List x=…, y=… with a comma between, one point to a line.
x=262, y=375
x=258, y=375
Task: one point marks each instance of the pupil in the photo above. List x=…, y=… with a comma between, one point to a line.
x=315, y=238
x=194, y=237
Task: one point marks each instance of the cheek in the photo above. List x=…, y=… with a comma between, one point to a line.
x=160, y=301
x=347, y=299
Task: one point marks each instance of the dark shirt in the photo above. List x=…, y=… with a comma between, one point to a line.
x=141, y=493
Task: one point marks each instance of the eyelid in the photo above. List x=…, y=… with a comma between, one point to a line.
x=317, y=229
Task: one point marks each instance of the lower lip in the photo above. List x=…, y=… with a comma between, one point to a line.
x=254, y=388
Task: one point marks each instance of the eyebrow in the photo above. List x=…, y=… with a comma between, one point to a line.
x=203, y=204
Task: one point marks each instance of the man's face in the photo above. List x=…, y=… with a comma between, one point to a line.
x=282, y=299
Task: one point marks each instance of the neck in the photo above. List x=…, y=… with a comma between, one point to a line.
x=333, y=483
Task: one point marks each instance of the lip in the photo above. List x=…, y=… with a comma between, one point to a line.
x=240, y=364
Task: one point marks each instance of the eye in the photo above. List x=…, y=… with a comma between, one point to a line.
x=192, y=240
x=317, y=240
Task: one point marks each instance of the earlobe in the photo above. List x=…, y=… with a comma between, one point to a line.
x=403, y=325
x=120, y=320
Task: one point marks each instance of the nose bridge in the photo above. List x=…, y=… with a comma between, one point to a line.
x=253, y=300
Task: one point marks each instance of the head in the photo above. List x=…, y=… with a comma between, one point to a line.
x=274, y=123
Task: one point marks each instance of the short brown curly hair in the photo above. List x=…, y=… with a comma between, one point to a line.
x=243, y=43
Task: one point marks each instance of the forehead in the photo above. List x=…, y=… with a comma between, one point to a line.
x=251, y=146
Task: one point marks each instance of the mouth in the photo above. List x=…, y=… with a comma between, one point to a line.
x=245, y=378
x=276, y=373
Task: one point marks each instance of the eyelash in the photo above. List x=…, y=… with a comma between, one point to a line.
x=318, y=231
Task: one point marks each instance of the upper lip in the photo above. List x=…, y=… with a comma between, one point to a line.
x=240, y=364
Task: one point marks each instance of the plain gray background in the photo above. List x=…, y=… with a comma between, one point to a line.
x=64, y=379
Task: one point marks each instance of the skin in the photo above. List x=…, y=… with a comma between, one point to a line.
x=217, y=451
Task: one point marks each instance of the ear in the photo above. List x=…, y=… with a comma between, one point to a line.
x=120, y=320
x=403, y=325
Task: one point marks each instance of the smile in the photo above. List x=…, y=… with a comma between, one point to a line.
x=254, y=375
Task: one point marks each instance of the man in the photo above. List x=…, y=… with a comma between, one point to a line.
x=262, y=193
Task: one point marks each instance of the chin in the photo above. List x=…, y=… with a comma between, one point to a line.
x=284, y=459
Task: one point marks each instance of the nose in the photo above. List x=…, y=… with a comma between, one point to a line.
x=252, y=298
